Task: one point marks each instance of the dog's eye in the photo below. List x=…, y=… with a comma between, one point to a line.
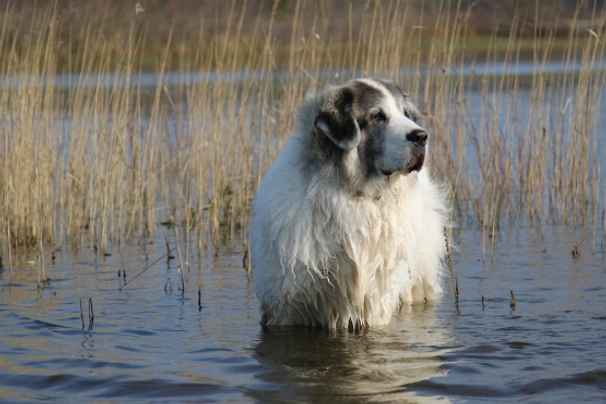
x=407, y=114
x=378, y=116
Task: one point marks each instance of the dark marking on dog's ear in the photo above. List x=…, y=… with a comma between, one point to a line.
x=336, y=120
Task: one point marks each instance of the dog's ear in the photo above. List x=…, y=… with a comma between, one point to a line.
x=336, y=121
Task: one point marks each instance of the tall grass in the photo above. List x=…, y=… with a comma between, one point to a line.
x=102, y=162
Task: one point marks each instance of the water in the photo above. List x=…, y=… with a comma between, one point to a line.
x=150, y=343
x=149, y=79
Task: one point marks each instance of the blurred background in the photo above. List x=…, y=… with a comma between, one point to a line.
x=197, y=25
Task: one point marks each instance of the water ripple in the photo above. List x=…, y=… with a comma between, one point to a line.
x=148, y=345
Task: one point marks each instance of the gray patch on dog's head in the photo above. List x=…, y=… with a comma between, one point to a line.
x=336, y=121
x=402, y=98
x=367, y=98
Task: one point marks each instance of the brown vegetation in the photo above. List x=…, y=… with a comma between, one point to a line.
x=111, y=161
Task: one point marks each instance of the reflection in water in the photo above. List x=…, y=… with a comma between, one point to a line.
x=149, y=345
x=376, y=364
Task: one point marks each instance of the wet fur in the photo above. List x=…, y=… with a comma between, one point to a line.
x=335, y=242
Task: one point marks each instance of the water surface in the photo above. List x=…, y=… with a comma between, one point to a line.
x=148, y=342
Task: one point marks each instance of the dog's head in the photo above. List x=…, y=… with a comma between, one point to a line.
x=372, y=119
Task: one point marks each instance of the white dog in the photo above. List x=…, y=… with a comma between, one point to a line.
x=347, y=224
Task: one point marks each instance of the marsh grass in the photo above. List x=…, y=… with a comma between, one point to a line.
x=98, y=165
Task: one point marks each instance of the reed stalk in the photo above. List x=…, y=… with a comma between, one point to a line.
x=103, y=159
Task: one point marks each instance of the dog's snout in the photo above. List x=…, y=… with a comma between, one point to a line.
x=418, y=136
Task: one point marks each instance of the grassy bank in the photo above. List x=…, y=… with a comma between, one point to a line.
x=101, y=164
x=199, y=26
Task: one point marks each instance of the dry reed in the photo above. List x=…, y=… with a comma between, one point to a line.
x=103, y=159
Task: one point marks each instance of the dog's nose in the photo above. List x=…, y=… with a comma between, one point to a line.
x=418, y=136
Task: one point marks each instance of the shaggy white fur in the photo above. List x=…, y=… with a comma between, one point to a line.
x=330, y=255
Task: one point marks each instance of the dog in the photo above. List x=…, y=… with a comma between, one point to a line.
x=347, y=225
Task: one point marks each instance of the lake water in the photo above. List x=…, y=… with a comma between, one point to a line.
x=150, y=80
x=149, y=343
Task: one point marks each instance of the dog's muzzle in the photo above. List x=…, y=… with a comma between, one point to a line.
x=418, y=138
x=416, y=153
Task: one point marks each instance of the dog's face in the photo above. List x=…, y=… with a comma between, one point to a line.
x=376, y=121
